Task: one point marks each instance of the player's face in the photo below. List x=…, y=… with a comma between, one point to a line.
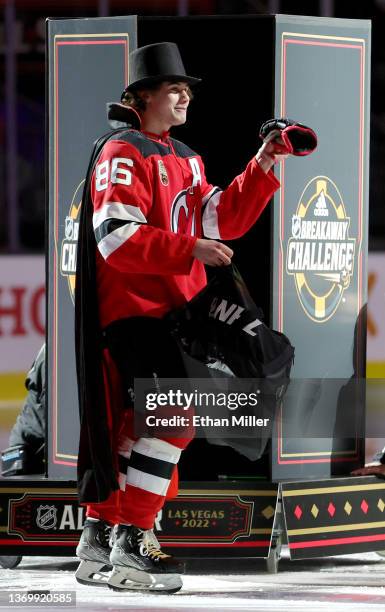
x=167, y=106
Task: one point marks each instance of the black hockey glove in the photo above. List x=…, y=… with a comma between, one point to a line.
x=298, y=139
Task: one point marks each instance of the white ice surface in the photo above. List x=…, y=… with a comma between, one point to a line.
x=347, y=583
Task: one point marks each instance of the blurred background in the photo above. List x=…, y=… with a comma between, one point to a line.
x=22, y=170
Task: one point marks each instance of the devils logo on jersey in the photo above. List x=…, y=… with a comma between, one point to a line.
x=182, y=221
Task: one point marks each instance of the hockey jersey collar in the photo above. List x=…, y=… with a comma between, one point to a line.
x=120, y=116
x=162, y=138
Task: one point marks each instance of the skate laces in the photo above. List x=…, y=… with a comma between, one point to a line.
x=149, y=545
x=104, y=533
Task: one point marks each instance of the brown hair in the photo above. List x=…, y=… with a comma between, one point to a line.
x=135, y=100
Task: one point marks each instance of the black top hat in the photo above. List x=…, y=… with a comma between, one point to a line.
x=156, y=63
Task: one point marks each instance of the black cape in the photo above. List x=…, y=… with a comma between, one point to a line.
x=96, y=464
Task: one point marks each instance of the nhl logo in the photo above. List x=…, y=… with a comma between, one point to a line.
x=46, y=517
x=69, y=228
x=162, y=173
x=296, y=226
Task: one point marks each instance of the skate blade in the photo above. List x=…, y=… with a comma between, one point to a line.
x=131, y=579
x=91, y=572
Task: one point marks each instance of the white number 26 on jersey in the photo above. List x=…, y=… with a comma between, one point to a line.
x=119, y=172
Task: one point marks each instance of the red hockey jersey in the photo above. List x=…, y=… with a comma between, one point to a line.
x=151, y=201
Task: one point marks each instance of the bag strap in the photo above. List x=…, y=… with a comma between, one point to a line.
x=231, y=274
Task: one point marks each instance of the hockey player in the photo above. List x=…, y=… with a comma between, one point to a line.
x=150, y=222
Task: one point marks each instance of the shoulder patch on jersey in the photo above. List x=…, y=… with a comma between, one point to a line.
x=181, y=149
x=162, y=173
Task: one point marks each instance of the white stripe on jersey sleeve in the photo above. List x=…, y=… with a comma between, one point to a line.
x=148, y=482
x=210, y=215
x=118, y=210
x=157, y=449
x=115, y=239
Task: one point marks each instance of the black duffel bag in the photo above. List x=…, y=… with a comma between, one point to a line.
x=221, y=333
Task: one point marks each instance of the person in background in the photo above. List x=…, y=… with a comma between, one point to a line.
x=25, y=454
x=377, y=468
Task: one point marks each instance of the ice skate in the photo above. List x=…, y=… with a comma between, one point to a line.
x=139, y=563
x=93, y=551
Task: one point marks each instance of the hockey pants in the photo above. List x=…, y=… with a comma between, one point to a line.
x=147, y=466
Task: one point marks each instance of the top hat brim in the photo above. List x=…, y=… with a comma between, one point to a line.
x=148, y=81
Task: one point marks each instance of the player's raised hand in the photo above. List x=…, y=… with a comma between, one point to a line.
x=271, y=152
